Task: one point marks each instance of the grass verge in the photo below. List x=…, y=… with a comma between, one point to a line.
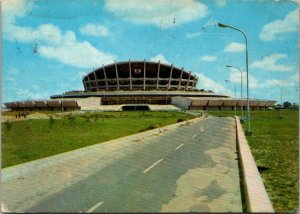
x=28, y=140
x=274, y=145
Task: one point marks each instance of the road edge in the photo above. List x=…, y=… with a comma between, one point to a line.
x=135, y=136
x=257, y=199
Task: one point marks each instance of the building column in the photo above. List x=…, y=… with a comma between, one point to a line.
x=84, y=84
x=158, y=75
x=170, y=77
x=89, y=81
x=96, y=79
x=104, y=72
x=144, y=74
x=116, y=69
x=195, y=82
x=130, y=74
x=188, y=82
x=179, y=86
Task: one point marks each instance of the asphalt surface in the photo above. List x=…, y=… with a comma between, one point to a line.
x=191, y=168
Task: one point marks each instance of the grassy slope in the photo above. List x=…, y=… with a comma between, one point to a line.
x=34, y=139
x=274, y=145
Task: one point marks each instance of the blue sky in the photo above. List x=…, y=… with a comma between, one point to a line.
x=48, y=45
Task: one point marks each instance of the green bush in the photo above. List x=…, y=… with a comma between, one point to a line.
x=71, y=119
x=180, y=120
x=8, y=125
x=152, y=126
x=51, y=121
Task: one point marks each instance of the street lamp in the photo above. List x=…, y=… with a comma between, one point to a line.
x=228, y=81
x=280, y=100
x=242, y=107
x=248, y=132
x=62, y=102
x=280, y=93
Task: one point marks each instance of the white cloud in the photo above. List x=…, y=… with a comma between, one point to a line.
x=209, y=58
x=289, y=24
x=235, y=47
x=269, y=63
x=94, y=30
x=157, y=13
x=235, y=77
x=275, y=82
x=289, y=86
x=72, y=52
x=63, y=47
x=52, y=42
x=29, y=94
x=193, y=35
x=221, y=3
x=11, y=79
x=160, y=58
x=81, y=74
x=295, y=77
x=210, y=23
x=292, y=81
x=35, y=87
x=47, y=33
x=14, y=70
x=209, y=84
x=15, y=8
x=259, y=87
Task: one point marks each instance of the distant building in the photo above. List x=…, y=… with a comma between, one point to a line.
x=138, y=83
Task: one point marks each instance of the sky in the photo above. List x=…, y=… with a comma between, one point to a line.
x=48, y=45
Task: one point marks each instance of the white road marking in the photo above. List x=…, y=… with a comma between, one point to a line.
x=194, y=136
x=179, y=146
x=95, y=207
x=153, y=165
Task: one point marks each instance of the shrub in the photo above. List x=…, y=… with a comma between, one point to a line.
x=51, y=121
x=71, y=119
x=180, y=120
x=153, y=126
x=8, y=125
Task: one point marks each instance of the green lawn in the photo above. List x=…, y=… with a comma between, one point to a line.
x=28, y=140
x=274, y=145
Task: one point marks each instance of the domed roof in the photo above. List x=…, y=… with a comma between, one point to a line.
x=139, y=75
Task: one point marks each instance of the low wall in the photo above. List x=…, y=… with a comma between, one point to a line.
x=181, y=102
x=257, y=199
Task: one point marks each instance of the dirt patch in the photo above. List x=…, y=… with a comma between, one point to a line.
x=36, y=115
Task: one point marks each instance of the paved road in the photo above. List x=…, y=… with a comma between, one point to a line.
x=188, y=168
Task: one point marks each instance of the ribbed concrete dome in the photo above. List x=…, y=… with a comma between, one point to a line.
x=139, y=75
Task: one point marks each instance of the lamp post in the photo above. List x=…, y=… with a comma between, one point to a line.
x=280, y=116
x=166, y=105
x=62, y=102
x=228, y=81
x=242, y=107
x=248, y=132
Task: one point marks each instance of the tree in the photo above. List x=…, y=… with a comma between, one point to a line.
x=287, y=104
